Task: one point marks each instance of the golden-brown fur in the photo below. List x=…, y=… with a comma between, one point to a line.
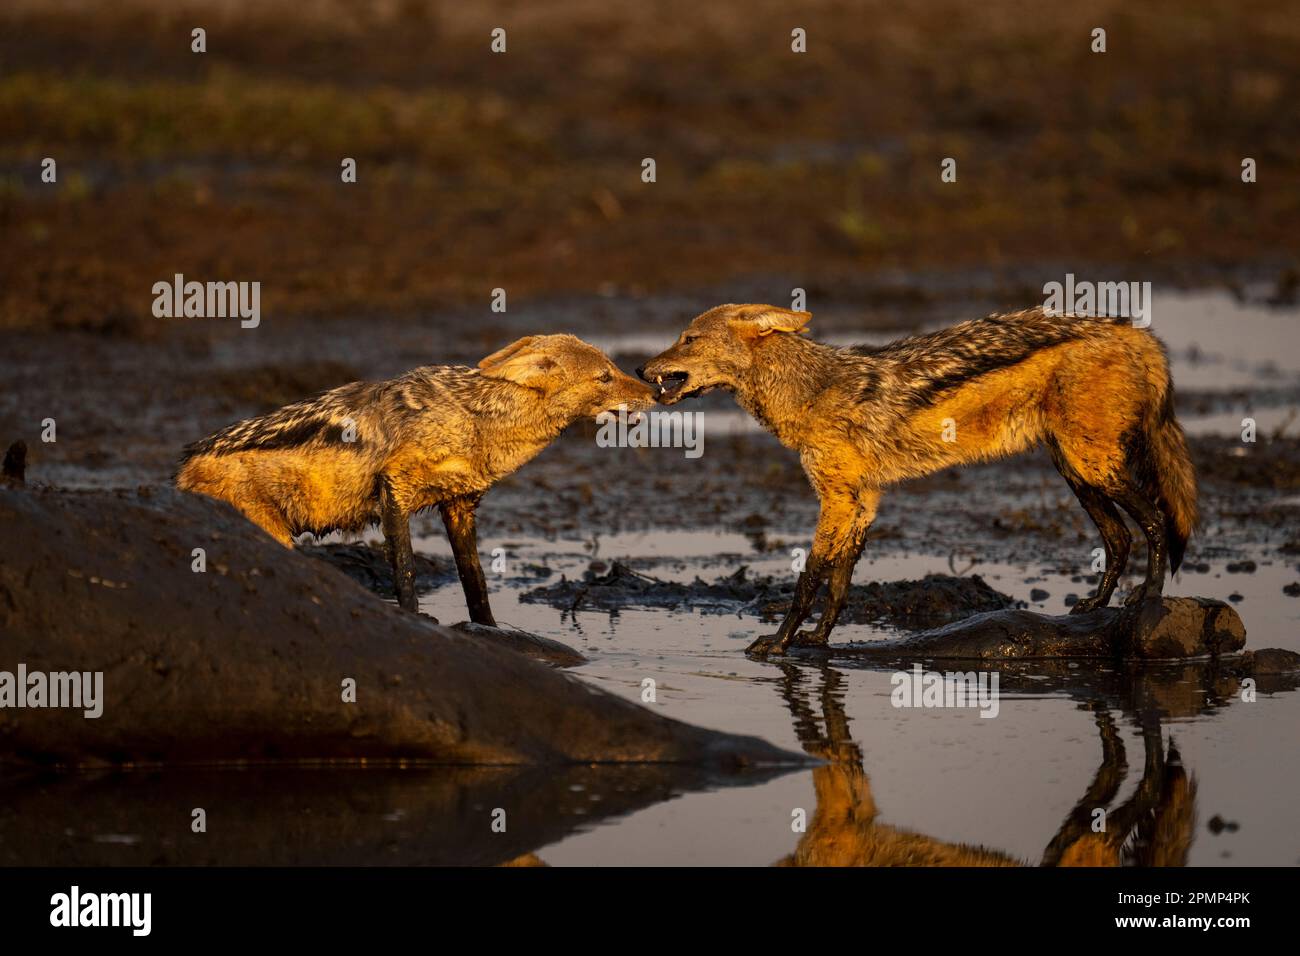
x=438, y=435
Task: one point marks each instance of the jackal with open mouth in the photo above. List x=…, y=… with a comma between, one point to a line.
x=377, y=452
x=1096, y=391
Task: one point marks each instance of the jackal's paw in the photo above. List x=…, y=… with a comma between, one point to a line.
x=1084, y=605
x=809, y=639
x=765, y=645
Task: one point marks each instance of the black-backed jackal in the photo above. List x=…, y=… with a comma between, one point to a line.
x=438, y=435
x=1096, y=391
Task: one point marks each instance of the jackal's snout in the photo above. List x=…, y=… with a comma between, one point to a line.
x=670, y=372
x=670, y=383
x=623, y=391
x=717, y=349
x=574, y=375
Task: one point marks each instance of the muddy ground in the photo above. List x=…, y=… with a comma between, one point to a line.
x=935, y=599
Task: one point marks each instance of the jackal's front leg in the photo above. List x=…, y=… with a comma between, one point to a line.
x=805, y=591
x=458, y=517
x=841, y=529
x=841, y=575
x=396, y=525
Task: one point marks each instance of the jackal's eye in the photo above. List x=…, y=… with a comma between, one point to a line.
x=688, y=339
x=605, y=378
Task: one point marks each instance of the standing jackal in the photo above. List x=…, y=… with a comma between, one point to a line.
x=1096, y=391
x=438, y=435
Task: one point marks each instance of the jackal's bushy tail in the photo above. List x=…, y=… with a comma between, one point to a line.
x=1170, y=478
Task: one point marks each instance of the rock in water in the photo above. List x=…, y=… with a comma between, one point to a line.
x=1186, y=627
x=216, y=645
x=1271, y=662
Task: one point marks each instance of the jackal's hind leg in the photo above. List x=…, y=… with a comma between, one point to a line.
x=458, y=518
x=396, y=526
x=1115, y=537
x=1152, y=523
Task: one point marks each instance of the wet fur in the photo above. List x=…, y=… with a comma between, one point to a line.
x=438, y=435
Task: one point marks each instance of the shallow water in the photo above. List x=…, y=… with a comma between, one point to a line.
x=1007, y=782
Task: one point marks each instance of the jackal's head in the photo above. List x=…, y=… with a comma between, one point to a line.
x=576, y=379
x=717, y=349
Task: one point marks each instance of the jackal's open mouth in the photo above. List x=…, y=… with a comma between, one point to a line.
x=672, y=386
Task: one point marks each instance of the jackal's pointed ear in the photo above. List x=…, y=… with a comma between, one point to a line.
x=499, y=356
x=766, y=319
x=518, y=363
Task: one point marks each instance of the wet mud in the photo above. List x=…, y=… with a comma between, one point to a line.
x=933, y=600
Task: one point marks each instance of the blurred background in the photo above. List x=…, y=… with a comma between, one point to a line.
x=522, y=171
